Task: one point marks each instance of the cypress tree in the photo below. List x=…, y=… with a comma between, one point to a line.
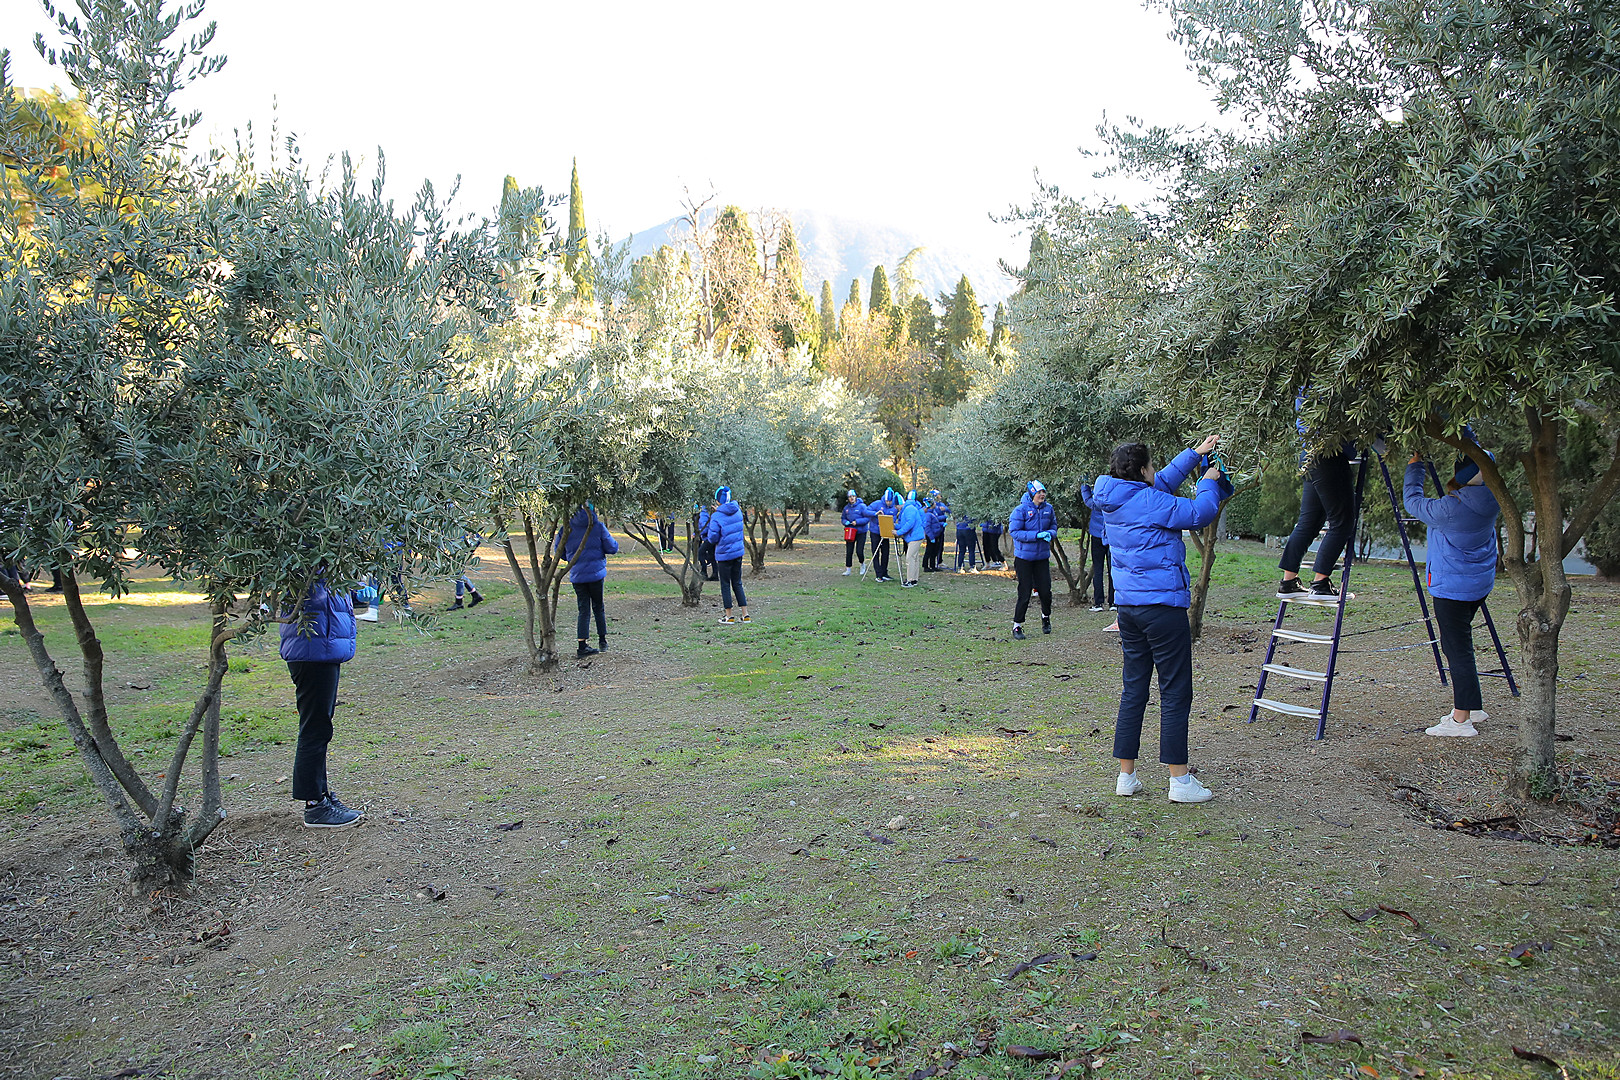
x=1000, y=332
x=829, y=317
x=878, y=300
x=795, y=312
x=923, y=324
x=852, y=306
x=577, y=256
x=964, y=322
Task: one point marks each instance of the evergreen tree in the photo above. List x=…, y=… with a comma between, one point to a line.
x=922, y=325
x=736, y=282
x=963, y=330
x=577, y=256
x=829, y=319
x=852, y=306
x=794, y=312
x=1000, y=332
x=878, y=300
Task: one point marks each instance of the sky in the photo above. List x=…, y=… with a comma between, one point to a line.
x=929, y=117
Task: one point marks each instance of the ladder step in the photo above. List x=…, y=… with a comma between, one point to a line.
x=1314, y=601
x=1302, y=635
x=1285, y=708
x=1295, y=673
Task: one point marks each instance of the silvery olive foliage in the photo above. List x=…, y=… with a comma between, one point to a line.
x=248, y=379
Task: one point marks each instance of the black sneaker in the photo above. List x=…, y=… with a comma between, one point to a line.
x=601, y=644
x=583, y=651
x=1324, y=590
x=1018, y=633
x=1291, y=587
x=1046, y=626
x=329, y=813
x=477, y=598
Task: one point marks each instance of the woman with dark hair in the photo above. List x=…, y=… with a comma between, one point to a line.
x=1152, y=590
x=726, y=529
x=586, y=548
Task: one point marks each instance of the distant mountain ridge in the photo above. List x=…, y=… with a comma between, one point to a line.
x=837, y=249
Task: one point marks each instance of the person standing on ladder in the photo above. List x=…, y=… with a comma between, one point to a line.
x=1328, y=496
x=1461, y=570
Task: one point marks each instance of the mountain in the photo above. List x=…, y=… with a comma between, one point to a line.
x=837, y=249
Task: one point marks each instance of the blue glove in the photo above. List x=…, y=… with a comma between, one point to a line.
x=1043, y=536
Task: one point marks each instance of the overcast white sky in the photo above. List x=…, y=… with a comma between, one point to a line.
x=926, y=116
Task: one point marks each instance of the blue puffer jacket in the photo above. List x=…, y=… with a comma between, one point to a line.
x=587, y=548
x=327, y=631
x=1144, y=532
x=1094, y=523
x=912, y=524
x=964, y=525
x=1462, y=537
x=855, y=513
x=991, y=528
x=1028, y=520
x=938, y=515
x=725, y=531
x=703, y=520
x=885, y=505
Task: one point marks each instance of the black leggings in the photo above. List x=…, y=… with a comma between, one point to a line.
x=315, y=685
x=880, y=555
x=1456, y=619
x=1099, y=570
x=1033, y=574
x=731, y=582
x=1328, y=496
x=855, y=550
x=588, y=594
x=934, y=553
x=992, y=548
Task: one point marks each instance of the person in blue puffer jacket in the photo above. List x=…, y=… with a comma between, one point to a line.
x=1152, y=589
x=726, y=529
x=991, y=531
x=1461, y=574
x=967, y=543
x=1099, y=548
x=911, y=527
x=939, y=514
x=853, y=516
x=889, y=505
x=317, y=639
x=1032, y=525
x=586, y=548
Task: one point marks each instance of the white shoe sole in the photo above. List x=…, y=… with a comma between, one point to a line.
x=1474, y=718
x=1198, y=797
x=1125, y=790
x=1453, y=731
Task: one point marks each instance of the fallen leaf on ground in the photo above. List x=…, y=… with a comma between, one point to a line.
x=1030, y=1053
x=431, y=892
x=1013, y=731
x=1034, y=962
x=1044, y=840
x=1540, y=1059
x=1343, y=1035
x=877, y=838
x=509, y=826
x=960, y=859
x=1528, y=948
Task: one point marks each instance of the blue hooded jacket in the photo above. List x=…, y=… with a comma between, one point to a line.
x=1462, y=537
x=1026, y=522
x=991, y=528
x=964, y=525
x=588, y=545
x=856, y=513
x=327, y=631
x=1094, y=524
x=938, y=515
x=888, y=504
x=912, y=524
x=1144, y=532
x=725, y=531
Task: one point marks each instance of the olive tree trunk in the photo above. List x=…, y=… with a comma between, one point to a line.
x=1075, y=575
x=540, y=585
x=686, y=572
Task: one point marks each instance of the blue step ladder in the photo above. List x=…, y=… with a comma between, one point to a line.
x=1279, y=632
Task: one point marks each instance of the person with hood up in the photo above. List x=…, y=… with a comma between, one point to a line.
x=854, y=515
x=726, y=534
x=889, y=504
x=938, y=514
x=912, y=527
x=1152, y=590
x=1099, y=547
x=967, y=545
x=587, y=547
x=991, y=530
x=1032, y=526
x=1461, y=570
x=317, y=639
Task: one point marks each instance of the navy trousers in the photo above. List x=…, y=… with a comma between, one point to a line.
x=1155, y=636
x=315, y=686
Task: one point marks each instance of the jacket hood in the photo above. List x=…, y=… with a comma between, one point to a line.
x=1111, y=493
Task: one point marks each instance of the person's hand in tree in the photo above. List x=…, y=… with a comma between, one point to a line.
x=1212, y=473
x=1208, y=444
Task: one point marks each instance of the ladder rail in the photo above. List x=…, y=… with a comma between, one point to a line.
x=1344, y=595
x=1271, y=652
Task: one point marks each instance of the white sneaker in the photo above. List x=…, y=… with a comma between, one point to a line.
x=1099, y=607
x=1450, y=727
x=845, y=573
x=1473, y=718
x=1127, y=784
x=973, y=569
x=368, y=615
x=1191, y=791
x=863, y=570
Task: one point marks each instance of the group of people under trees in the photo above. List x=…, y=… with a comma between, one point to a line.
x=1137, y=521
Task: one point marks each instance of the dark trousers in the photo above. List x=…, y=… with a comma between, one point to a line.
x=934, y=552
x=666, y=534
x=855, y=550
x=1033, y=575
x=1155, y=636
x=731, y=582
x=967, y=549
x=880, y=555
x=1100, y=565
x=706, y=560
x=588, y=595
x=992, y=548
x=1456, y=619
x=315, y=686
x=1328, y=496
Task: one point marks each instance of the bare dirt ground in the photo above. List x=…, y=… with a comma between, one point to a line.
x=823, y=841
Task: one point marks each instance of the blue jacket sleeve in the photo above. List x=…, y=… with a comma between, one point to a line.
x=610, y=546
x=1172, y=476
x=1198, y=511
x=1434, y=512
